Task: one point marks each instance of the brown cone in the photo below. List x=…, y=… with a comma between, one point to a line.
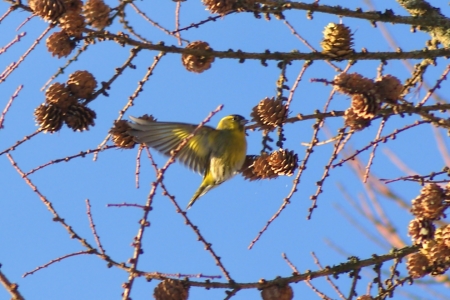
x=429, y=204
x=49, y=10
x=353, y=83
x=222, y=7
x=248, y=168
x=446, y=235
x=365, y=297
x=417, y=265
x=269, y=113
x=59, y=44
x=354, y=121
x=262, y=168
x=79, y=117
x=365, y=105
x=275, y=292
x=197, y=63
x=82, y=84
x=59, y=95
x=170, y=289
x=389, y=87
x=49, y=117
x=96, y=13
x=283, y=162
x=337, y=40
x=420, y=230
x=439, y=257
x=72, y=23
x=120, y=136
x=73, y=5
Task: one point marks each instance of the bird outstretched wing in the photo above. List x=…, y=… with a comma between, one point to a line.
x=166, y=136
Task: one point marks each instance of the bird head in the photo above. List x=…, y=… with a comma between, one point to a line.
x=232, y=122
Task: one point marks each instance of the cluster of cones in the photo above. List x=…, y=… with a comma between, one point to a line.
x=367, y=96
x=434, y=255
x=170, y=289
x=62, y=104
x=72, y=16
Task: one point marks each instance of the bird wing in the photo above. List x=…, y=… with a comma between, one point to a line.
x=166, y=136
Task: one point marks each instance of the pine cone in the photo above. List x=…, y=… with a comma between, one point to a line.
x=355, y=122
x=49, y=117
x=269, y=113
x=72, y=23
x=59, y=95
x=73, y=5
x=120, y=136
x=420, y=230
x=337, y=40
x=97, y=13
x=429, y=204
x=283, y=162
x=353, y=83
x=222, y=7
x=389, y=87
x=365, y=297
x=79, y=117
x=248, y=168
x=276, y=292
x=59, y=44
x=446, y=235
x=262, y=168
x=439, y=257
x=417, y=265
x=82, y=84
x=170, y=289
x=197, y=63
x=365, y=105
x=49, y=10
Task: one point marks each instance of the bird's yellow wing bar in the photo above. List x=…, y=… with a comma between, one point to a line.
x=166, y=136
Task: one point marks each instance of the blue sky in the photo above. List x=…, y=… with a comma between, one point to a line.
x=229, y=216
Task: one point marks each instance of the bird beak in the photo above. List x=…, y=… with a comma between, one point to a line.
x=243, y=122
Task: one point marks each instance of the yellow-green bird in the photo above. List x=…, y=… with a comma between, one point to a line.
x=218, y=153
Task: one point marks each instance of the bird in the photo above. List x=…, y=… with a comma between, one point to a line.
x=216, y=153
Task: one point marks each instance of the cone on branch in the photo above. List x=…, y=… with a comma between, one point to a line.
x=354, y=121
x=248, y=168
x=96, y=13
x=170, y=289
x=439, y=257
x=197, y=63
x=222, y=7
x=389, y=88
x=262, y=168
x=269, y=113
x=420, y=230
x=353, y=83
x=79, y=117
x=417, y=265
x=337, y=40
x=49, y=117
x=429, y=204
x=120, y=136
x=60, y=44
x=59, y=95
x=73, y=6
x=72, y=23
x=283, y=162
x=277, y=292
x=82, y=84
x=365, y=106
x=49, y=10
